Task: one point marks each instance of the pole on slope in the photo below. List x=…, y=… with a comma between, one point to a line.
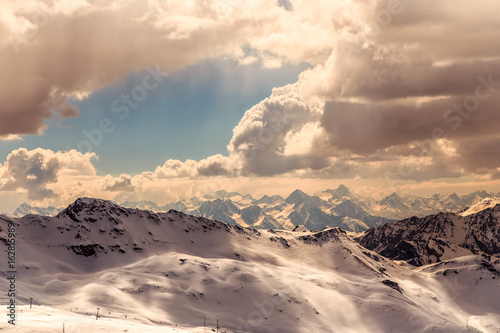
x=31, y=302
x=97, y=314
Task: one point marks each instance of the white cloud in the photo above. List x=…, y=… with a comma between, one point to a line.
x=124, y=183
x=10, y=137
x=35, y=170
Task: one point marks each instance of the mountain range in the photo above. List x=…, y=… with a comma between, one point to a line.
x=171, y=272
x=330, y=208
x=434, y=238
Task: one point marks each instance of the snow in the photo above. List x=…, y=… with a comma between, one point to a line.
x=47, y=319
x=250, y=280
x=481, y=205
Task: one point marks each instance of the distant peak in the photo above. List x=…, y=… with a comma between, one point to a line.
x=342, y=190
x=25, y=204
x=394, y=196
x=296, y=196
x=297, y=191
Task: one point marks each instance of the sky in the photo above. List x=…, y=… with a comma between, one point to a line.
x=164, y=100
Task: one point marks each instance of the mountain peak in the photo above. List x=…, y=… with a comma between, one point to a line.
x=339, y=192
x=484, y=204
x=394, y=201
x=88, y=205
x=269, y=200
x=296, y=196
x=343, y=191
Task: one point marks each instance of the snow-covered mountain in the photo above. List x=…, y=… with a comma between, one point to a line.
x=480, y=206
x=435, y=238
x=401, y=207
x=335, y=208
x=171, y=272
x=25, y=209
x=276, y=212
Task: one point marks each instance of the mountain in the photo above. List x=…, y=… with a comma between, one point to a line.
x=352, y=224
x=312, y=217
x=338, y=207
x=480, y=206
x=149, y=205
x=219, y=209
x=25, y=209
x=472, y=198
x=349, y=209
x=269, y=200
x=436, y=238
x=299, y=197
x=144, y=204
x=397, y=207
x=171, y=272
x=339, y=193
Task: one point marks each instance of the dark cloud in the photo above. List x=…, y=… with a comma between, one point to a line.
x=367, y=127
x=285, y=4
x=480, y=155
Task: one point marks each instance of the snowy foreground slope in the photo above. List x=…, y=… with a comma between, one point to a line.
x=172, y=272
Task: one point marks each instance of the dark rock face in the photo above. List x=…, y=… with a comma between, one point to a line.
x=86, y=250
x=393, y=285
x=421, y=241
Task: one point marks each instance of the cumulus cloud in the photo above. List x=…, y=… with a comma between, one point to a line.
x=176, y=169
x=259, y=140
x=123, y=183
x=35, y=170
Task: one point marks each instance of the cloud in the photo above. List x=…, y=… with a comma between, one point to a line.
x=35, y=170
x=260, y=138
x=216, y=165
x=123, y=183
x=54, y=51
x=10, y=137
x=176, y=169
x=400, y=86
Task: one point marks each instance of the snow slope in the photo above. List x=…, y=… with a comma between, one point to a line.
x=169, y=272
x=480, y=206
